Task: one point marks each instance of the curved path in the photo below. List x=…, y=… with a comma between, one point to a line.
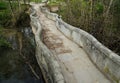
x=75, y=65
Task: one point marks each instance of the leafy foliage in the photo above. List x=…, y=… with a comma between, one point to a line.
x=101, y=18
x=99, y=8
x=5, y=14
x=3, y=5
x=4, y=43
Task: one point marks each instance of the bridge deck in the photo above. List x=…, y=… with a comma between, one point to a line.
x=75, y=64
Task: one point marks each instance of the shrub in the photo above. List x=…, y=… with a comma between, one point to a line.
x=3, y=6
x=4, y=43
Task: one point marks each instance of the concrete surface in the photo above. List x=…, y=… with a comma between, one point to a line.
x=75, y=65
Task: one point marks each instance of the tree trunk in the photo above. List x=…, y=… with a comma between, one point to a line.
x=11, y=9
x=19, y=6
x=24, y=1
x=108, y=9
x=91, y=9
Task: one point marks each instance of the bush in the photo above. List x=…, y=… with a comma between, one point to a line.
x=5, y=14
x=3, y=5
x=4, y=43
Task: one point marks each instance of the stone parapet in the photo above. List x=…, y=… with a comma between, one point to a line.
x=46, y=60
x=105, y=60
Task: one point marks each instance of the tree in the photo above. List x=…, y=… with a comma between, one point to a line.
x=101, y=18
x=11, y=9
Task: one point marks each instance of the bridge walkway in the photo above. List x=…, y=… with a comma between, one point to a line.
x=74, y=62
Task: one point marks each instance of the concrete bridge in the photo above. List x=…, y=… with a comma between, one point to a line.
x=67, y=54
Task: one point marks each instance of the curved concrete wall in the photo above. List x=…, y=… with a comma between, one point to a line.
x=47, y=62
x=107, y=61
